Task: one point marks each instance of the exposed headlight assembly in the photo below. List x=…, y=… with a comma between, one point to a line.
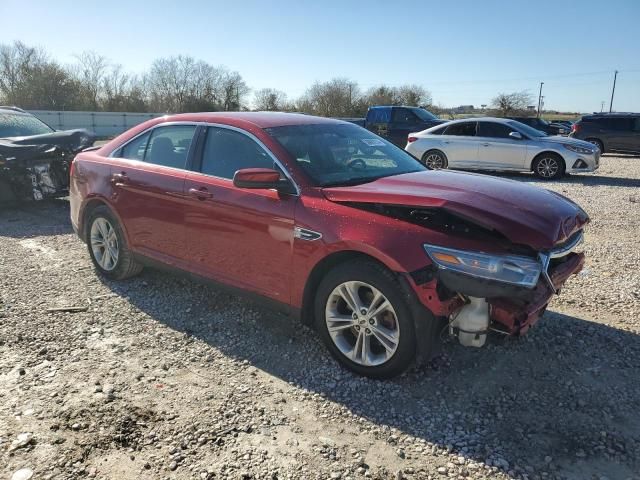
x=577, y=149
x=511, y=269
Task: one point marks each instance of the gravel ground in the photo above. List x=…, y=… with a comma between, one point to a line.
x=165, y=378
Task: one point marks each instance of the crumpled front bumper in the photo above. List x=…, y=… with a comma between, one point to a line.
x=516, y=316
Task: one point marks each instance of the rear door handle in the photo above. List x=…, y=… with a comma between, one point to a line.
x=446, y=142
x=200, y=193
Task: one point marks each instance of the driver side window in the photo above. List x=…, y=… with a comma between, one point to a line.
x=227, y=151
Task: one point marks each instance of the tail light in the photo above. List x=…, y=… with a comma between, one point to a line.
x=411, y=139
x=575, y=128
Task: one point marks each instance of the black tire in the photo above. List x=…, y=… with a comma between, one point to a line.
x=375, y=275
x=549, y=166
x=597, y=143
x=125, y=266
x=441, y=162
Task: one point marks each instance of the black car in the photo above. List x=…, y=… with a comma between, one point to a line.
x=543, y=125
x=35, y=158
x=611, y=132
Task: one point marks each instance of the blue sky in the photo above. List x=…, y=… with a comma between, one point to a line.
x=464, y=52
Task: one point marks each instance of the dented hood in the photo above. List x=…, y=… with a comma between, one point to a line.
x=522, y=213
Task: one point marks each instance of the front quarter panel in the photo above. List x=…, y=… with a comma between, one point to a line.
x=396, y=244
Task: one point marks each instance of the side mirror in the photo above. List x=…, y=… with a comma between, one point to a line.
x=515, y=135
x=261, y=178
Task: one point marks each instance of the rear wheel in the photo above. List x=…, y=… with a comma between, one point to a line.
x=364, y=320
x=107, y=246
x=435, y=159
x=549, y=166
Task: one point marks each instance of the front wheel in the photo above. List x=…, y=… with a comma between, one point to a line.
x=549, y=166
x=364, y=320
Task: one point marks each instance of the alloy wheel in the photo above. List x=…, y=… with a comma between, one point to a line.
x=548, y=167
x=362, y=323
x=434, y=160
x=104, y=244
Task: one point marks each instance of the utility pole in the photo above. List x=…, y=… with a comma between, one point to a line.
x=602, y=106
x=613, y=90
x=540, y=99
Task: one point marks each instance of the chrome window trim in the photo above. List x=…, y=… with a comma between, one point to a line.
x=208, y=124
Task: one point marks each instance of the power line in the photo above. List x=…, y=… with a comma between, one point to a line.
x=508, y=80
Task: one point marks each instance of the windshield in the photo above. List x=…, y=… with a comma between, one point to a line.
x=21, y=125
x=337, y=154
x=526, y=129
x=424, y=114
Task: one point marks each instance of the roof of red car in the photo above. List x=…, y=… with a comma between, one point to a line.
x=258, y=119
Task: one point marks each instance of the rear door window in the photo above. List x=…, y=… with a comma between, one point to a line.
x=136, y=148
x=493, y=130
x=227, y=151
x=619, y=124
x=169, y=146
x=463, y=129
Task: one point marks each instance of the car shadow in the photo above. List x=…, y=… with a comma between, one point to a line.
x=491, y=405
x=34, y=219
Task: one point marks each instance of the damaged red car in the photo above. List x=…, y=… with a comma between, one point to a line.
x=330, y=223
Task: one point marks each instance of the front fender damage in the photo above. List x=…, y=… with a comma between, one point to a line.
x=473, y=306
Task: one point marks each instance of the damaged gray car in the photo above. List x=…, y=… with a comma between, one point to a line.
x=35, y=158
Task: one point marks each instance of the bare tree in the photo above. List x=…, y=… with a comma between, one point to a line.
x=381, y=95
x=270, y=99
x=410, y=95
x=233, y=90
x=18, y=63
x=511, y=103
x=338, y=97
x=414, y=95
x=90, y=72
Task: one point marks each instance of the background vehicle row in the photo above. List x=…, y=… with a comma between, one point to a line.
x=501, y=144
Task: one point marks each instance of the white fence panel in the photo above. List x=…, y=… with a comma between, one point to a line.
x=103, y=124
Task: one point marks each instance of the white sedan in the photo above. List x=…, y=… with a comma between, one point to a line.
x=501, y=144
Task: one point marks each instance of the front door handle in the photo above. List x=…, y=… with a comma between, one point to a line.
x=485, y=144
x=200, y=193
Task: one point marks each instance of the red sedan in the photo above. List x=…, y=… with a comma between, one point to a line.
x=334, y=225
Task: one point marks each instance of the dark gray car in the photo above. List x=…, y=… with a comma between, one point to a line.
x=611, y=132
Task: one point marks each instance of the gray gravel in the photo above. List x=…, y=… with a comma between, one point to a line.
x=165, y=378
